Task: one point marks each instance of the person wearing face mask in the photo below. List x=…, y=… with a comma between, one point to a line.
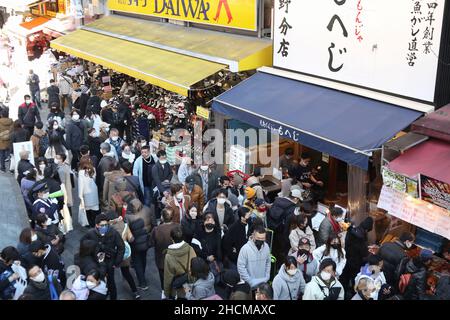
x=254, y=182
x=75, y=136
x=43, y=204
x=28, y=115
x=94, y=142
x=288, y=284
x=356, y=247
x=41, y=165
x=24, y=165
x=373, y=269
x=254, y=259
x=365, y=289
x=142, y=169
x=127, y=155
x=260, y=211
x=207, y=243
x=194, y=191
x=49, y=233
x=64, y=173
x=42, y=286
x=221, y=209
x=393, y=253
x=40, y=140
x=206, y=178
x=306, y=263
x=53, y=94
x=107, y=164
x=330, y=225
x=57, y=115
x=8, y=277
x=27, y=236
x=110, y=247
x=49, y=260
x=324, y=285
x=236, y=238
x=232, y=193
x=179, y=202
x=191, y=223
x=333, y=250
x=96, y=285
x=161, y=172
x=116, y=142
x=299, y=230
x=56, y=147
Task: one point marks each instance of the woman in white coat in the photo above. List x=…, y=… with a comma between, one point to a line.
x=88, y=193
x=332, y=249
x=325, y=285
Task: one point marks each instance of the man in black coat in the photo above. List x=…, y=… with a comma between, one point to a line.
x=82, y=100
x=392, y=254
x=75, y=136
x=107, y=163
x=94, y=101
x=49, y=260
x=110, y=249
x=236, y=238
x=418, y=268
x=161, y=172
x=53, y=93
x=28, y=115
x=24, y=165
x=38, y=285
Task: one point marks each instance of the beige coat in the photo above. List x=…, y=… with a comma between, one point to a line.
x=64, y=175
x=6, y=124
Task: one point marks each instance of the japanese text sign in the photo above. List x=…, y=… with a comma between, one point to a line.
x=435, y=191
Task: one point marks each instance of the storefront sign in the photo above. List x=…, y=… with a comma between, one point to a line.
x=378, y=44
x=435, y=191
x=325, y=157
x=399, y=182
x=203, y=112
x=238, y=14
x=238, y=157
x=415, y=211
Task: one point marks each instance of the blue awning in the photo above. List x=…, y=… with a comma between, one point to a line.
x=346, y=126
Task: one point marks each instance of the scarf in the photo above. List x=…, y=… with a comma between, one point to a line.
x=334, y=224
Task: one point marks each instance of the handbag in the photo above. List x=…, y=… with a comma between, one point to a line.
x=127, y=252
x=82, y=216
x=178, y=281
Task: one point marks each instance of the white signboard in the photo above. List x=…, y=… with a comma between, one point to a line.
x=18, y=148
x=415, y=211
x=386, y=45
x=238, y=158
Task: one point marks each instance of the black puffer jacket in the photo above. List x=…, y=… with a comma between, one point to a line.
x=279, y=213
x=210, y=243
x=190, y=226
x=141, y=236
x=74, y=135
x=89, y=263
x=392, y=254
x=416, y=287
x=111, y=244
x=228, y=218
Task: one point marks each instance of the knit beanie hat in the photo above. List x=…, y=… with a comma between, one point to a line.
x=250, y=192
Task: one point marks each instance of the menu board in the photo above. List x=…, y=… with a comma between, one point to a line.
x=393, y=180
x=238, y=158
x=415, y=211
x=435, y=191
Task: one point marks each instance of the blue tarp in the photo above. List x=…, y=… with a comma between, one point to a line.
x=343, y=125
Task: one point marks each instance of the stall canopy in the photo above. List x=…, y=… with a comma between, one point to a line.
x=346, y=126
x=167, y=55
x=435, y=124
x=24, y=29
x=431, y=158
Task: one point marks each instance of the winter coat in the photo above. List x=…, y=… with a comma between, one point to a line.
x=279, y=213
x=313, y=289
x=52, y=264
x=190, y=226
x=325, y=230
x=124, y=230
x=33, y=82
x=197, y=196
x=141, y=224
x=103, y=166
x=209, y=182
x=208, y=244
x=81, y=104
x=26, y=257
x=161, y=173
x=94, y=146
x=179, y=209
x=89, y=263
x=28, y=115
x=18, y=135
x=111, y=244
x=202, y=288
x=36, y=141
x=228, y=218
x=64, y=173
x=392, y=254
x=4, y=282
x=41, y=291
x=319, y=255
x=378, y=278
x=22, y=167
x=53, y=95
x=234, y=240
x=109, y=186
x=176, y=262
x=286, y=287
x=6, y=126
x=310, y=268
x=138, y=171
x=88, y=191
x=297, y=234
x=93, y=104
x=161, y=240
x=253, y=264
x=416, y=288
x=356, y=248
x=49, y=234
x=74, y=135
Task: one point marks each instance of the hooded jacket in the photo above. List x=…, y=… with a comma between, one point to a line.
x=177, y=262
x=228, y=218
x=253, y=264
x=36, y=140
x=255, y=184
x=281, y=210
x=202, y=288
x=392, y=254
x=310, y=268
x=356, y=245
x=111, y=244
x=6, y=125
x=190, y=227
x=297, y=234
x=316, y=289
x=234, y=240
x=286, y=287
x=41, y=290
x=416, y=287
x=319, y=255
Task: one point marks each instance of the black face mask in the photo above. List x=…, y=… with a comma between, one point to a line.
x=259, y=244
x=210, y=226
x=301, y=252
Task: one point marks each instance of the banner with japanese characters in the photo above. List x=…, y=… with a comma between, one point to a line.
x=238, y=14
x=385, y=45
x=435, y=191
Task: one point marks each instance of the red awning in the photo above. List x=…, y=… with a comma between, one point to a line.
x=34, y=23
x=431, y=158
x=435, y=124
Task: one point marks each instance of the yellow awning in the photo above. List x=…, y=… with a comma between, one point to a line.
x=171, y=71
x=240, y=53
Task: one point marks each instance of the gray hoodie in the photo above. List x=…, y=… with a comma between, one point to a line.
x=253, y=264
x=202, y=288
x=286, y=287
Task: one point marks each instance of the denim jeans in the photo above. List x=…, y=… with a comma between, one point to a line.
x=36, y=97
x=148, y=196
x=139, y=259
x=3, y=156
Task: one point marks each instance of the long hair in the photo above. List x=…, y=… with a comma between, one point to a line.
x=328, y=246
x=56, y=143
x=86, y=165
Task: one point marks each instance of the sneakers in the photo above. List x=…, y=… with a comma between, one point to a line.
x=163, y=296
x=143, y=288
x=137, y=296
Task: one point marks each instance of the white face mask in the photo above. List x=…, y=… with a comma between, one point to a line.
x=292, y=272
x=42, y=167
x=143, y=144
x=76, y=117
x=39, y=278
x=90, y=285
x=163, y=161
x=325, y=275
x=27, y=101
x=34, y=237
x=340, y=219
x=204, y=168
x=221, y=200
x=374, y=295
x=115, y=138
x=55, y=126
x=408, y=245
x=57, y=161
x=46, y=195
x=193, y=214
x=180, y=196
x=48, y=222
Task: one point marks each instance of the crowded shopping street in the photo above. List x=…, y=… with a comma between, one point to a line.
x=234, y=150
